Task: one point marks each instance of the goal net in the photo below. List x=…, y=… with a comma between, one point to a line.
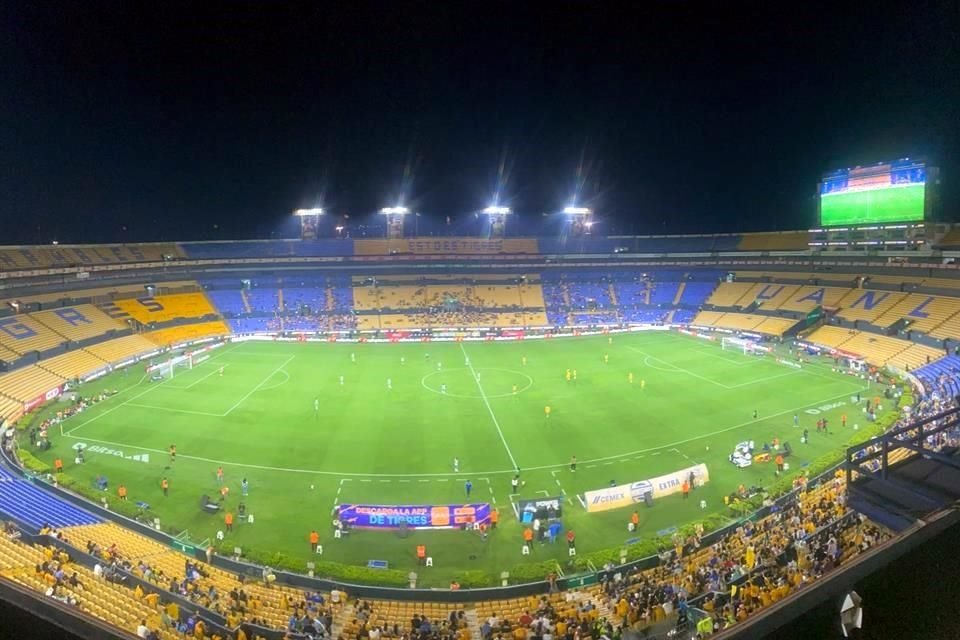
x=170, y=368
x=739, y=344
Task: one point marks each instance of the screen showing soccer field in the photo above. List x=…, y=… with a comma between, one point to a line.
x=883, y=193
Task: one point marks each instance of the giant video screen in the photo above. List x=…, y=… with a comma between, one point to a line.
x=880, y=194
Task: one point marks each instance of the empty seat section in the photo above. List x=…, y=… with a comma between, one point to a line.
x=729, y=294
x=925, y=312
x=27, y=383
x=867, y=304
x=79, y=322
x=161, y=308
x=808, y=298
x=875, y=349
x=187, y=332
x=828, y=336
x=707, y=318
x=24, y=501
x=696, y=293
x=73, y=364
x=915, y=356
x=23, y=334
x=121, y=349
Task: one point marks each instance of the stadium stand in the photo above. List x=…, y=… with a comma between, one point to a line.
x=942, y=376
x=867, y=305
x=730, y=294
x=27, y=383
x=73, y=364
x=22, y=334
x=876, y=349
x=925, y=312
x=187, y=332
x=808, y=298
x=14, y=258
x=267, y=249
x=25, y=502
x=164, y=308
x=950, y=240
x=78, y=323
x=829, y=336
x=121, y=349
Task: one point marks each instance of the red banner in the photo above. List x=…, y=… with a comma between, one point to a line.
x=40, y=399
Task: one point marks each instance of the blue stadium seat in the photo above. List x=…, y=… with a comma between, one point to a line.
x=23, y=501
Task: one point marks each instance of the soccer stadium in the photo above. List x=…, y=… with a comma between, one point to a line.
x=674, y=433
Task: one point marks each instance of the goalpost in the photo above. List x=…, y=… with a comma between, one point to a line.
x=168, y=368
x=738, y=344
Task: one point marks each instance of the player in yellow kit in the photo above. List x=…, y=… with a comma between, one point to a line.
x=523, y=361
x=643, y=383
x=569, y=375
x=630, y=377
x=546, y=412
x=606, y=358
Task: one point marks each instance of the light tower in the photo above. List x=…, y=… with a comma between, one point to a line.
x=581, y=219
x=498, y=219
x=309, y=222
x=394, y=217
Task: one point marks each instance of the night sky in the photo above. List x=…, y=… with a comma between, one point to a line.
x=124, y=121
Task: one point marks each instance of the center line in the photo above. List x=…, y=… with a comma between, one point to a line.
x=493, y=417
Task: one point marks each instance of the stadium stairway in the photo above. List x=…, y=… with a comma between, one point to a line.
x=245, y=300
x=473, y=623
x=680, y=290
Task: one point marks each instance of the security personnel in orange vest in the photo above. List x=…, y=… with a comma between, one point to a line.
x=228, y=520
x=314, y=540
x=494, y=518
x=421, y=554
x=58, y=465
x=780, y=462
x=165, y=485
x=528, y=537
x=635, y=519
x=122, y=492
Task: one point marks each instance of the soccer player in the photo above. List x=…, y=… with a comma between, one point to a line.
x=389, y=384
x=573, y=463
x=546, y=412
x=643, y=384
x=755, y=414
x=468, y=487
x=221, y=372
x=443, y=389
x=353, y=357
x=426, y=356
x=466, y=362
x=569, y=375
x=514, y=389
x=219, y=475
x=456, y=464
x=515, y=484
x=173, y=453
x=574, y=376
x=403, y=361
x=165, y=486
x=439, y=366
x=796, y=420
x=523, y=361
x=244, y=487
x=316, y=405
x=606, y=358
x=630, y=377
x=341, y=381
x=609, y=339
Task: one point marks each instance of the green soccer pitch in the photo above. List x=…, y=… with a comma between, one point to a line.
x=370, y=444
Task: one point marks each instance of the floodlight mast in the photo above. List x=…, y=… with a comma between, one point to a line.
x=394, y=216
x=495, y=210
x=577, y=211
x=313, y=211
x=581, y=219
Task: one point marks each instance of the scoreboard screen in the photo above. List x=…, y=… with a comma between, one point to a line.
x=883, y=193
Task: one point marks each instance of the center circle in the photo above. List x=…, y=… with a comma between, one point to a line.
x=461, y=383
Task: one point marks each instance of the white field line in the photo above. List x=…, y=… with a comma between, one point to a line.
x=174, y=410
x=493, y=416
x=196, y=382
x=588, y=464
x=714, y=382
x=227, y=349
x=257, y=388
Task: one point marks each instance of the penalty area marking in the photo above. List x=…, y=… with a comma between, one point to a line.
x=464, y=396
x=588, y=464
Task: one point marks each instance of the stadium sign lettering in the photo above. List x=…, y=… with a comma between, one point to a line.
x=825, y=407
x=625, y=495
x=107, y=451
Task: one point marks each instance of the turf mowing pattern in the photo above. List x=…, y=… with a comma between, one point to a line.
x=370, y=444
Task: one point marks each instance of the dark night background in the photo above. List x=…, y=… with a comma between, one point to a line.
x=168, y=120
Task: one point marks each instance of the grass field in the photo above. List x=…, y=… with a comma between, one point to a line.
x=895, y=204
x=370, y=444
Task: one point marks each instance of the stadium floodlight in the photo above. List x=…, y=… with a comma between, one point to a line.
x=313, y=211
x=395, y=211
x=495, y=210
x=577, y=211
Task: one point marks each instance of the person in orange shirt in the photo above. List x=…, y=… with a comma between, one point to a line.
x=528, y=537
x=314, y=540
x=494, y=518
x=779, y=463
x=224, y=490
x=421, y=554
x=686, y=489
x=58, y=465
x=635, y=520
x=122, y=492
x=228, y=521
x=165, y=485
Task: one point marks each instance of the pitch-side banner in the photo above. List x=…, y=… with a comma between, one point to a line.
x=625, y=495
x=446, y=516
